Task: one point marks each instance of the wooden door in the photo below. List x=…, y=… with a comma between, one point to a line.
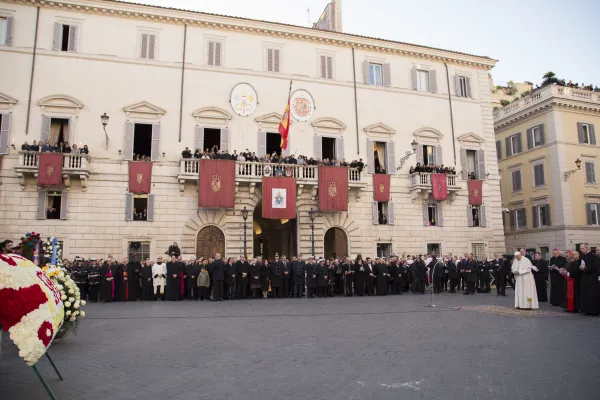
x=211, y=241
x=336, y=243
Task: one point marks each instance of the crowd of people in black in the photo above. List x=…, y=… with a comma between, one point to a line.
x=432, y=169
x=274, y=158
x=60, y=147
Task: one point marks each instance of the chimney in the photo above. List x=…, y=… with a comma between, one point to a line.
x=337, y=15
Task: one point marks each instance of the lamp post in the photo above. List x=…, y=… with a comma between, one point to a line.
x=104, y=118
x=571, y=172
x=245, y=216
x=414, y=145
x=311, y=215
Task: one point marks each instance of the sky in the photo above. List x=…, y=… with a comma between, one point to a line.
x=527, y=37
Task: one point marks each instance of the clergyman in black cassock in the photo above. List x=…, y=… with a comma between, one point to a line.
x=540, y=275
x=133, y=280
x=420, y=276
x=348, y=277
x=453, y=275
x=363, y=276
x=241, y=278
x=108, y=272
x=321, y=272
x=191, y=281
x=573, y=271
x=590, y=282
x=558, y=285
x=380, y=273
x=147, y=292
x=173, y=289
x=121, y=281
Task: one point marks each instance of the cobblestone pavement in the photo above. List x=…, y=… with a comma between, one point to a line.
x=342, y=348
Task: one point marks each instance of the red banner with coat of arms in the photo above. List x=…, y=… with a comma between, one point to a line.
x=278, y=198
x=381, y=187
x=475, y=192
x=140, y=177
x=439, y=187
x=333, y=188
x=216, y=184
x=50, y=169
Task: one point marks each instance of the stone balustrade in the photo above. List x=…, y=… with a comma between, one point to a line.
x=72, y=165
x=420, y=185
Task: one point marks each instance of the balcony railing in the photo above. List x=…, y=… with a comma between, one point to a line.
x=72, y=164
x=420, y=185
x=248, y=171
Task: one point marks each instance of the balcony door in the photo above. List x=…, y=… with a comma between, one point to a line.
x=270, y=236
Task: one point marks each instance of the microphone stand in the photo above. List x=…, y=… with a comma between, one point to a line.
x=431, y=305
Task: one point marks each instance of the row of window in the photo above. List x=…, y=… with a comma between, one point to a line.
x=65, y=38
x=540, y=215
x=539, y=177
x=536, y=137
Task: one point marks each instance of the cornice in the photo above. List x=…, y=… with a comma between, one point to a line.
x=265, y=28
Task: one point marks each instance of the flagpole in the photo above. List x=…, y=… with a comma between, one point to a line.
x=290, y=92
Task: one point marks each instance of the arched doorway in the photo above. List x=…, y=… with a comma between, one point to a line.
x=210, y=241
x=272, y=236
x=336, y=243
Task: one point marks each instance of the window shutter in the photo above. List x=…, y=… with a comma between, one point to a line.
x=375, y=210
x=199, y=138
x=499, y=149
x=508, y=147
x=151, y=46
x=371, y=156
x=548, y=217
x=440, y=214
x=530, y=139
x=457, y=85
x=270, y=60
x=262, y=144
x=390, y=151
x=41, y=214
x=339, y=148
x=63, y=204
x=5, y=132
x=155, y=156
x=482, y=221
x=387, y=77
x=589, y=172
x=211, y=53
x=542, y=134
x=519, y=142
x=9, y=30
x=439, y=159
x=419, y=154
x=425, y=214
x=592, y=134
x=57, y=38
x=72, y=38
x=218, y=54
x=464, y=164
x=129, y=207
x=470, y=215
x=480, y=164
x=432, y=82
x=415, y=79
x=580, y=132
x=128, y=144
x=524, y=219
x=224, y=145
x=366, y=72
x=390, y=217
x=276, y=62
x=323, y=67
x=588, y=213
x=144, y=46
x=513, y=217
x=536, y=221
x=519, y=185
x=329, y=68
x=67, y=135
x=468, y=84
x=542, y=175
x=150, y=209
x=46, y=120
x=318, y=147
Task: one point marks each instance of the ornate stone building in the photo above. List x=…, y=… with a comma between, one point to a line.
x=170, y=78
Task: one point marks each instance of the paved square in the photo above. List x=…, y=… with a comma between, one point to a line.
x=342, y=348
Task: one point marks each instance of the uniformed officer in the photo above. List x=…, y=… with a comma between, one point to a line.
x=79, y=274
x=276, y=277
x=94, y=278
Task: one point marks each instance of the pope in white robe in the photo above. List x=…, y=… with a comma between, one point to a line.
x=159, y=273
x=525, y=293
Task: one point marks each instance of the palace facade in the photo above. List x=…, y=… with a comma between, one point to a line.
x=169, y=79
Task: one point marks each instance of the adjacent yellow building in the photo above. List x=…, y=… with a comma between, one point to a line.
x=548, y=156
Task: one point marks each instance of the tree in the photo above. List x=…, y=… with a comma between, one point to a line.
x=511, y=88
x=549, y=78
x=504, y=102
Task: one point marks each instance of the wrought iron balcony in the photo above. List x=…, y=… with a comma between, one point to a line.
x=253, y=172
x=420, y=185
x=73, y=165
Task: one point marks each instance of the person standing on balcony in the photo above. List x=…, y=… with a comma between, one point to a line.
x=47, y=147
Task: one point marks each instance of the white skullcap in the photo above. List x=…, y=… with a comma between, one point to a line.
x=517, y=253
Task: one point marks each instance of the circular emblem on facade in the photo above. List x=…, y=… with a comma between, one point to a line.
x=289, y=172
x=302, y=105
x=267, y=171
x=332, y=189
x=215, y=183
x=243, y=99
x=381, y=187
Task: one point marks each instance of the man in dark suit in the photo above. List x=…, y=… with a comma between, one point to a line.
x=229, y=280
x=241, y=278
x=470, y=267
x=298, y=268
x=218, y=275
x=287, y=276
x=276, y=277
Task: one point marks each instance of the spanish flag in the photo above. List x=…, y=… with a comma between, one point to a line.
x=284, y=125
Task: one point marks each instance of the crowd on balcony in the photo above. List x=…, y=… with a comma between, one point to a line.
x=432, y=169
x=140, y=215
x=60, y=147
x=274, y=158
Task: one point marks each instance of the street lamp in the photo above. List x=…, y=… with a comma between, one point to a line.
x=571, y=172
x=311, y=214
x=104, y=118
x=414, y=145
x=245, y=216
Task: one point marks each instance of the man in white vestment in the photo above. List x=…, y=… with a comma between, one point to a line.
x=525, y=293
x=159, y=274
